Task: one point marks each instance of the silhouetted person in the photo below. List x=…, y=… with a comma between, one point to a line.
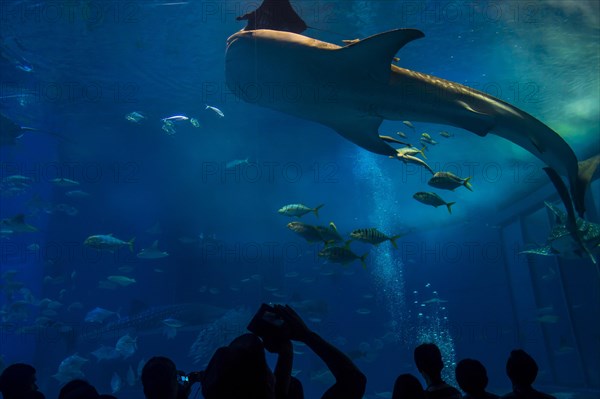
x=159, y=379
x=407, y=386
x=522, y=371
x=240, y=370
x=472, y=379
x=18, y=381
x=78, y=389
x=428, y=360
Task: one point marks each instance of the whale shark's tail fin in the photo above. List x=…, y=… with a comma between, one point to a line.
x=586, y=172
x=571, y=222
x=275, y=15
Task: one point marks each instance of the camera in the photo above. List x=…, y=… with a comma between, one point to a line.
x=188, y=379
x=266, y=323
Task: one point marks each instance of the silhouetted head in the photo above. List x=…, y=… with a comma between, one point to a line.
x=159, y=378
x=521, y=368
x=17, y=380
x=239, y=371
x=471, y=376
x=78, y=389
x=428, y=360
x=407, y=386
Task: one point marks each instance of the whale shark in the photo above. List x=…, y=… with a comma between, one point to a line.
x=354, y=88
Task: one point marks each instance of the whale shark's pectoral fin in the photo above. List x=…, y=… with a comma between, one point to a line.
x=363, y=131
x=376, y=53
x=274, y=15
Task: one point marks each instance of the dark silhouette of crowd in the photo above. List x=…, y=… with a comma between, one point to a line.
x=240, y=370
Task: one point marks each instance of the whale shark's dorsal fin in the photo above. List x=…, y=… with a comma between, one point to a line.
x=274, y=15
x=378, y=51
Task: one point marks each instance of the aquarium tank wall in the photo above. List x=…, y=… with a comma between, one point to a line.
x=159, y=183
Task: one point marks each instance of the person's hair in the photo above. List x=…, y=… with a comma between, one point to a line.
x=78, y=389
x=521, y=368
x=16, y=379
x=239, y=371
x=471, y=376
x=159, y=378
x=428, y=359
x=408, y=386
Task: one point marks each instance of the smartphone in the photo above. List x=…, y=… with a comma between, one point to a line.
x=266, y=322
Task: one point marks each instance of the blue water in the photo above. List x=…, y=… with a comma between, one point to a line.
x=75, y=69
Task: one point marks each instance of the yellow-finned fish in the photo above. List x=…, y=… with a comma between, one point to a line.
x=432, y=199
x=449, y=181
x=299, y=210
x=342, y=255
x=306, y=231
x=373, y=236
x=108, y=242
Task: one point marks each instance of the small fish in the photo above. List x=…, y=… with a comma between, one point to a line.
x=426, y=136
x=342, y=255
x=64, y=182
x=108, y=242
x=216, y=111
x=126, y=346
x=176, y=118
x=194, y=122
x=409, y=124
x=299, y=210
x=77, y=194
x=123, y=281
x=363, y=311
x=404, y=157
x=130, y=376
x=449, y=181
x=445, y=134
x=169, y=127
x=435, y=300
x=432, y=199
x=428, y=141
x=105, y=353
x=306, y=231
x=235, y=163
x=152, y=252
x=402, y=134
x=19, y=180
x=135, y=117
x=116, y=383
x=373, y=236
x=70, y=368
